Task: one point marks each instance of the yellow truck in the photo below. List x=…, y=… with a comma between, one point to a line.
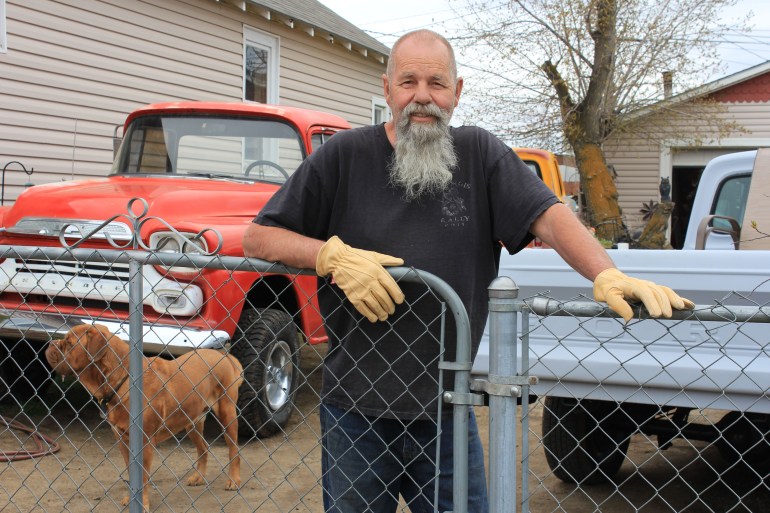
x=543, y=163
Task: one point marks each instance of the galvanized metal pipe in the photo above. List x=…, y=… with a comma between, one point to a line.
x=502, y=408
x=524, y=411
x=462, y=365
x=550, y=307
x=136, y=392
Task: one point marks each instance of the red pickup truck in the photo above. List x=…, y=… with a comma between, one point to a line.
x=198, y=166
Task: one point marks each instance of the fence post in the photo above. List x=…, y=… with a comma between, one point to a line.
x=136, y=392
x=502, y=404
x=521, y=307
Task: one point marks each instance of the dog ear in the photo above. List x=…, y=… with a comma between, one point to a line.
x=97, y=341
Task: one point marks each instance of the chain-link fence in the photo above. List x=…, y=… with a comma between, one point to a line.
x=654, y=416
x=111, y=356
x=657, y=415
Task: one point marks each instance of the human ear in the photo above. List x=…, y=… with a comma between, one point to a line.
x=386, y=87
x=458, y=90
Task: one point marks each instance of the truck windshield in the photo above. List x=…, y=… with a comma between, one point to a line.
x=212, y=147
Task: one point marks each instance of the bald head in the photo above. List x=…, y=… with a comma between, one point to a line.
x=426, y=36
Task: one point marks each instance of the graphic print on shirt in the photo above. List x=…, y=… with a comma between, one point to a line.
x=453, y=209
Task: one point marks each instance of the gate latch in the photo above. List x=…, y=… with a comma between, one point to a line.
x=509, y=386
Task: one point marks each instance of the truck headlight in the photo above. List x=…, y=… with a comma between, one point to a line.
x=184, y=243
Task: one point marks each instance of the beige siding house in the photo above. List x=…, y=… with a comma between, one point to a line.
x=70, y=70
x=674, y=140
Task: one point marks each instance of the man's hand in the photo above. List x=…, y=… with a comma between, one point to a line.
x=361, y=276
x=617, y=289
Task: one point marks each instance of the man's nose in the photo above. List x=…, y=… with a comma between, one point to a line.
x=422, y=94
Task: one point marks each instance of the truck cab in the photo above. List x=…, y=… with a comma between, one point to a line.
x=722, y=210
x=544, y=164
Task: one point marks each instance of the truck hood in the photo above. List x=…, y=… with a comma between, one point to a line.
x=189, y=200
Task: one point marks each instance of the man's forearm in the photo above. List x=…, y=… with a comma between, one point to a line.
x=280, y=245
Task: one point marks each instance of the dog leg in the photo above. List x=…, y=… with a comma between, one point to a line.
x=228, y=416
x=195, y=432
x=148, y=452
x=147, y=461
x=123, y=446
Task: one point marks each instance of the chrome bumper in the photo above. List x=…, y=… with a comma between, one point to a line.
x=156, y=339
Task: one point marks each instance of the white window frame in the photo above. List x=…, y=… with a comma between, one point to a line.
x=271, y=43
x=379, y=104
x=3, y=23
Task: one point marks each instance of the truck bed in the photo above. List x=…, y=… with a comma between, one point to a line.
x=688, y=363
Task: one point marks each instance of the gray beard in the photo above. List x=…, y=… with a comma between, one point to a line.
x=424, y=154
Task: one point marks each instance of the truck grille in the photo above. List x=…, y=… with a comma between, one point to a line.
x=97, y=281
x=71, y=268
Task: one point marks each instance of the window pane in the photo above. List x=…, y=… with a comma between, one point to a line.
x=3, y=37
x=317, y=139
x=256, y=73
x=532, y=165
x=380, y=111
x=731, y=200
x=379, y=115
x=254, y=148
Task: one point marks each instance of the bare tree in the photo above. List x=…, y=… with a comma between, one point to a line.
x=575, y=71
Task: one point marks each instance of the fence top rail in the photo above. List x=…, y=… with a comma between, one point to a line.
x=544, y=306
x=233, y=263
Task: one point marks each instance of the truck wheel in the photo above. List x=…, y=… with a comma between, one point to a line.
x=24, y=371
x=746, y=437
x=267, y=345
x=583, y=443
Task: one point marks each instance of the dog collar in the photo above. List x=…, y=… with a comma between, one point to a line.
x=107, y=398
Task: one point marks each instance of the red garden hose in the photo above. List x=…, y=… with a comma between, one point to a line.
x=42, y=450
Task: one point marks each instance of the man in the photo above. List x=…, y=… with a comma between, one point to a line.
x=441, y=200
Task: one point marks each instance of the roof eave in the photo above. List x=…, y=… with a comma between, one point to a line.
x=703, y=90
x=375, y=51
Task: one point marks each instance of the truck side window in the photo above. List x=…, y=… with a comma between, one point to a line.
x=731, y=200
x=532, y=165
x=318, y=138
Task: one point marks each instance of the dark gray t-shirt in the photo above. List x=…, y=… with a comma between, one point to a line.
x=390, y=368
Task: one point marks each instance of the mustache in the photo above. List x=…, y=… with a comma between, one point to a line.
x=429, y=109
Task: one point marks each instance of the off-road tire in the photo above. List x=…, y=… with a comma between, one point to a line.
x=746, y=439
x=583, y=444
x=267, y=345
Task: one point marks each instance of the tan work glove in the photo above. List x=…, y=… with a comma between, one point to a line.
x=361, y=276
x=617, y=289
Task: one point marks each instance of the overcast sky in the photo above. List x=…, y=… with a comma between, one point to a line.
x=396, y=17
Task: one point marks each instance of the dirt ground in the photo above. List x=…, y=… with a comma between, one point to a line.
x=282, y=473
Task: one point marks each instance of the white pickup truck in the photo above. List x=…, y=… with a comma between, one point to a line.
x=603, y=381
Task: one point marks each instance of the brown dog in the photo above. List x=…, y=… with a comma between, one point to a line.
x=178, y=394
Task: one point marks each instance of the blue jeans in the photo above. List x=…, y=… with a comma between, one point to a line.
x=368, y=462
